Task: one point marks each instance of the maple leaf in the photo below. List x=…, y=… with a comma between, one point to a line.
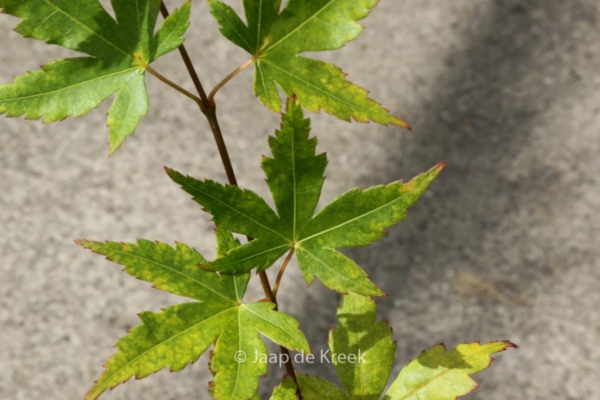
x=362, y=352
x=179, y=334
x=276, y=38
x=295, y=177
x=438, y=374
x=119, y=49
x=362, y=349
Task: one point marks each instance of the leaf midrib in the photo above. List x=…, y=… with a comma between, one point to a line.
x=262, y=80
x=259, y=25
x=129, y=105
x=307, y=83
x=295, y=184
x=166, y=39
x=70, y=86
x=287, y=246
x=358, y=217
x=290, y=335
x=129, y=362
x=125, y=254
x=237, y=375
x=358, y=338
x=232, y=27
x=296, y=29
x=334, y=270
x=185, y=183
x=53, y=4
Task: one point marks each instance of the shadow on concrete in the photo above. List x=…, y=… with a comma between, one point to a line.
x=479, y=120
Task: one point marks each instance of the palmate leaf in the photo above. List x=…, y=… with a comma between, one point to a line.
x=275, y=39
x=295, y=177
x=119, y=52
x=179, y=334
x=363, y=352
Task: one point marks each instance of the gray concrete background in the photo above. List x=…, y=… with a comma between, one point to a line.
x=504, y=246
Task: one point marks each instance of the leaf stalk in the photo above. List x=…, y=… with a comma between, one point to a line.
x=175, y=86
x=211, y=96
x=282, y=271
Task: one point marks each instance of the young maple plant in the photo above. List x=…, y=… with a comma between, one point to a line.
x=120, y=51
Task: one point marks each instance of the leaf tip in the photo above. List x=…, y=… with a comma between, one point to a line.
x=509, y=345
x=400, y=123
x=172, y=173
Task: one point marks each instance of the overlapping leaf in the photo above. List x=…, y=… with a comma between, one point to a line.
x=119, y=49
x=286, y=390
x=363, y=353
x=275, y=39
x=179, y=334
x=362, y=349
x=444, y=375
x=295, y=177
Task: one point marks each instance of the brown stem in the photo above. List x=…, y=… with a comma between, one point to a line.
x=209, y=110
x=289, y=365
x=187, y=61
x=211, y=96
x=282, y=271
x=211, y=115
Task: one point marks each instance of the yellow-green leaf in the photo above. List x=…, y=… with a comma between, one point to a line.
x=119, y=49
x=276, y=38
x=319, y=389
x=179, y=335
x=363, y=353
x=438, y=374
x=295, y=177
x=286, y=390
x=361, y=348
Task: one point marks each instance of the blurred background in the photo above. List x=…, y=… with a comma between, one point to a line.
x=505, y=245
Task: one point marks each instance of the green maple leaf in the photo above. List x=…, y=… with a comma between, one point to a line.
x=362, y=349
x=119, y=49
x=311, y=388
x=179, y=334
x=363, y=352
x=295, y=177
x=286, y=390
x=276, y=38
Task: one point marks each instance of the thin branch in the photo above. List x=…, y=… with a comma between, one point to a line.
x=289, y=366
x=282, y=271
x=211, y=96
x=188, y=62
x=208, y=108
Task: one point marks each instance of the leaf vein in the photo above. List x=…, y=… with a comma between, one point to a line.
x=77, y=22
x=307, y=83
x=355, y=218
x=483, y=350
x=296, y=29
x=126, y=254
x=71, y=86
